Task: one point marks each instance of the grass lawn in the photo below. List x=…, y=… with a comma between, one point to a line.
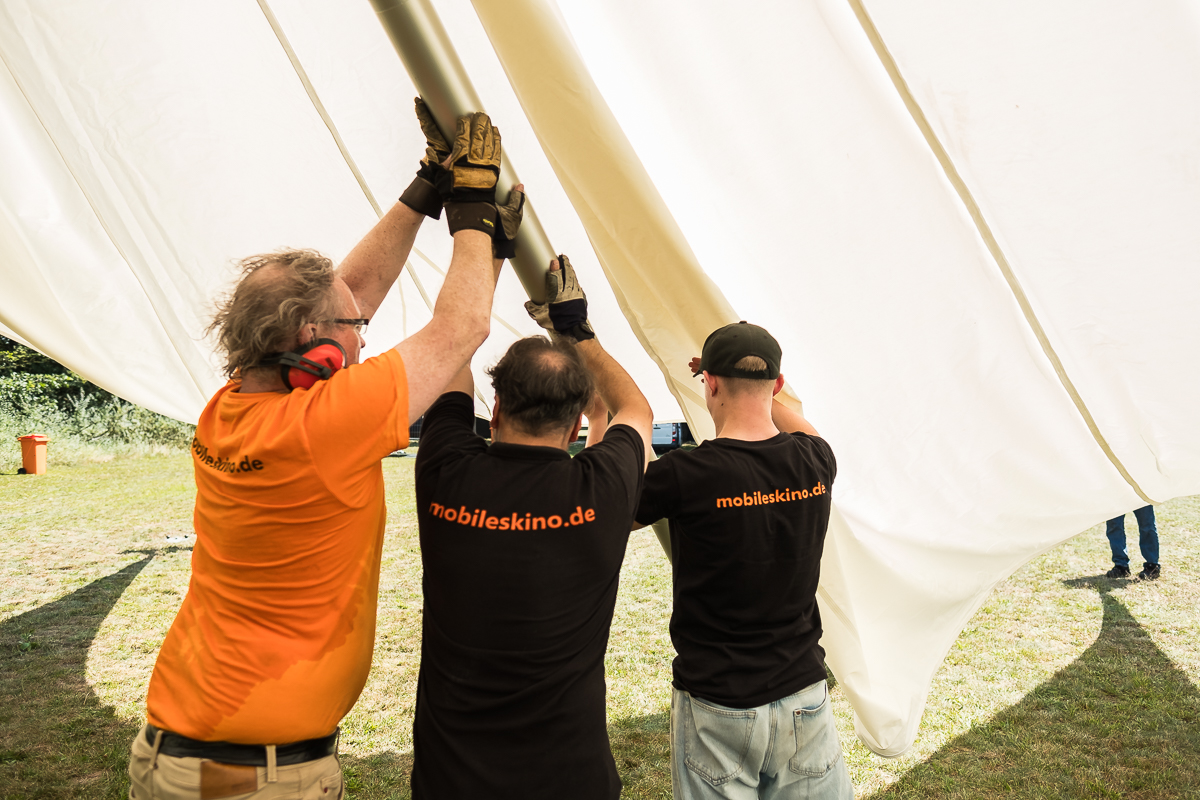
x=1064, y=685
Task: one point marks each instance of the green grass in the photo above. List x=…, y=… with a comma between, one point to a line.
x=1062, y=685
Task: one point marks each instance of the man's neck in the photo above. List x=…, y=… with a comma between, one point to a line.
x=558, y=440
x=258, y=380
x=746, y=421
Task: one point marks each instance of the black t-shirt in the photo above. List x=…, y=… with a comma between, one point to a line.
x=748, y=525
x=522, y=549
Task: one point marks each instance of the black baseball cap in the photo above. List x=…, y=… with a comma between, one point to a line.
x=726, y=346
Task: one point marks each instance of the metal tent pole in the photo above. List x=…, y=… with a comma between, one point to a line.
x=419, y=38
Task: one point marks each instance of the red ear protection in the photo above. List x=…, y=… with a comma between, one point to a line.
x=317, y=360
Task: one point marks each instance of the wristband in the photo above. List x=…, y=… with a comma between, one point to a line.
x=421, y=196
x=471, y=216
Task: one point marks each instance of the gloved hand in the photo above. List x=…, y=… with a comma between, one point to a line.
x=564, y=313
x=510, y=214
x=468, y=187
x=421, y=195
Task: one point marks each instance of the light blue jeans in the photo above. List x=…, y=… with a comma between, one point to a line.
x=785, y=749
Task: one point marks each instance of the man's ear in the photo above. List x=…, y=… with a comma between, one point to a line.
x=778, y=385
x=495, y=421
x=574, y=437
x=710, y=383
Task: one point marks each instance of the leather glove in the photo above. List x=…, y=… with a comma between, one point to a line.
x=565, y=311
x=509, y=214
x=468, y=187
x=421, y=195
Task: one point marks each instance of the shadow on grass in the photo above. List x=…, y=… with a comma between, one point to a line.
x=1121, y=721
x=56, y=739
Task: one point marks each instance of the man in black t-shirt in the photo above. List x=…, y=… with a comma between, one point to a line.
x=748, y=509
x=522, y=548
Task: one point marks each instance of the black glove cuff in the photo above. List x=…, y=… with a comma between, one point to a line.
x=582, y=332
x=568, y=315
x=422, y=197
x=502, y=247
x=471, y=216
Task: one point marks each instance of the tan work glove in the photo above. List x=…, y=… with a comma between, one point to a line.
x=421, y=195
x=564, y=313
x=504, y=244
x=468, y=187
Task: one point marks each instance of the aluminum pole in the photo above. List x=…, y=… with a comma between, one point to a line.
x=419, y=38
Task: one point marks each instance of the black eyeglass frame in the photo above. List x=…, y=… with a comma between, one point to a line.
x=359, y=324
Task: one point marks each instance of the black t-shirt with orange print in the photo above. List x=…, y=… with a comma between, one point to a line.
x=748, y=524
x=522, y=549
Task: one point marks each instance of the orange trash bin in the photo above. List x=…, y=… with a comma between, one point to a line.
x=33, y=453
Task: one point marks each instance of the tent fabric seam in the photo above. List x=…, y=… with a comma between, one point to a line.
x=985, y=232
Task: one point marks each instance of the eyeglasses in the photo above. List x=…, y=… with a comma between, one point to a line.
x=360, y=325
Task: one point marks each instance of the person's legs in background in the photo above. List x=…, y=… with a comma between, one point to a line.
x=1116, y=542
x=1147, y=542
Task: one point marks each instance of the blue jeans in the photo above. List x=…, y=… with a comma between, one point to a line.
x=785, y=749
x=1147, y=537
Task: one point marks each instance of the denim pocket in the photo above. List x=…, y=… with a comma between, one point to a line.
x=817, y=747
x=716, y=740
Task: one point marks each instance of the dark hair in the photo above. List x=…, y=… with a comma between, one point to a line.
x=275, y=296
x=541, y=386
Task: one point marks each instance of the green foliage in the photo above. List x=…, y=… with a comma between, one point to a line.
x=26, y=393
x=16, y=357
x=83, y=421
x=113, y=419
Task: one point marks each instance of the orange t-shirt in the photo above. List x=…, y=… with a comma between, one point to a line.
x=274, y=640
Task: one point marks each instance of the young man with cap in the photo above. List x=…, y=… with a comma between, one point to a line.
x=522, y=548
x=750, y=714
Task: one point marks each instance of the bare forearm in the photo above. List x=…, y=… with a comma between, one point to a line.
x=465, y=301
x=441, y=350
x=790, y=421
x=616, y=388
x=464, y=381
x=597, y=417
x=375, y=262
x=619, y=392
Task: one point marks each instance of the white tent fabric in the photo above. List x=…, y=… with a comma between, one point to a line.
x=971, y=228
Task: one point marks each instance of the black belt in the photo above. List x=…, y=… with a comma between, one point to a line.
x=254, y=755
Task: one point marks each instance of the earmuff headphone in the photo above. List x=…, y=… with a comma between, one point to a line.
x=315, y=361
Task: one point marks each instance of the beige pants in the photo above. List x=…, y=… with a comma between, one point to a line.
x=154, y=776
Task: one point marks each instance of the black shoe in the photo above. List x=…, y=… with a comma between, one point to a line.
x=1150, y=572
x=1118, y=572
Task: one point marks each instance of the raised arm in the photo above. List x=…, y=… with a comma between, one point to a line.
x=790, y=421
x=622, y=396
x=375, y=262
x=460, y=324
x=466, y=182
x=463, y=381
x=564, y=314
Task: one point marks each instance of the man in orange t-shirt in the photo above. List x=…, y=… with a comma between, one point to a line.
x=273, y=642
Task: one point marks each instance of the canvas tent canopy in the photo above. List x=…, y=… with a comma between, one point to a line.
x=972, y=227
